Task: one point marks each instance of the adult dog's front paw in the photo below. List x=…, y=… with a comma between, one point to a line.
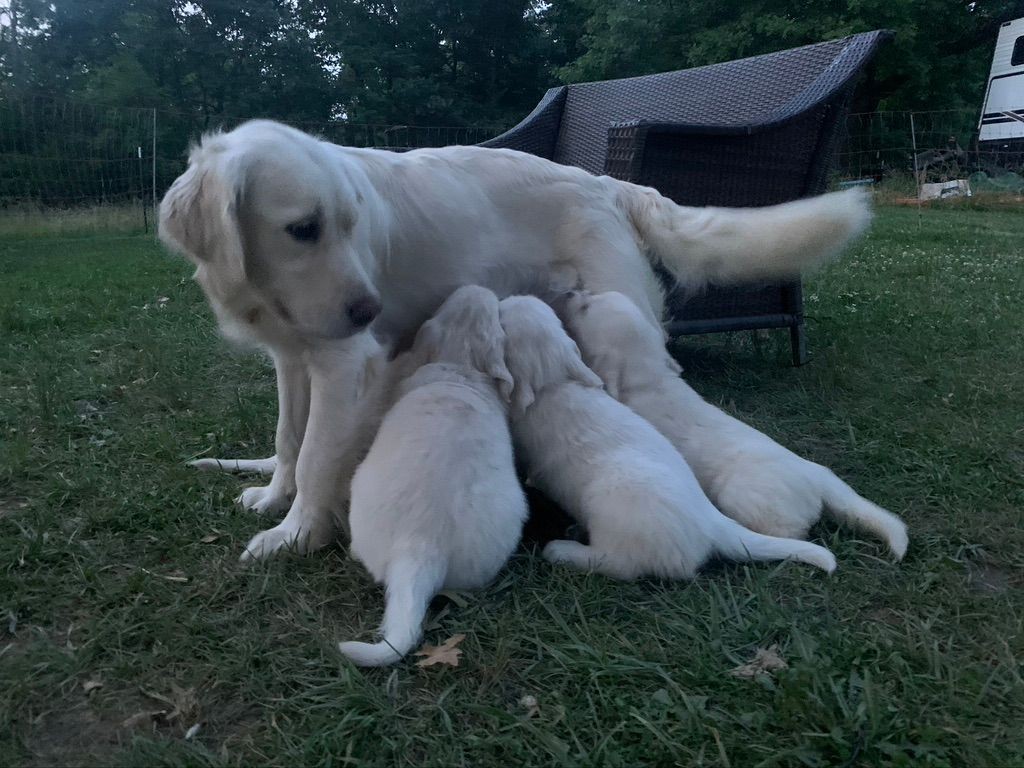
x=285, y=537
x=265, y=499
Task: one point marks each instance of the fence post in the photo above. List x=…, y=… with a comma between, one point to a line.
x=917, y=176
x=142, y=192
x=155, y=227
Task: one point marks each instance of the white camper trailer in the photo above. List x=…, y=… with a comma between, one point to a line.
x=1002, y=116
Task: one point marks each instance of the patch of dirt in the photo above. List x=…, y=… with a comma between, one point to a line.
x=12, y=504
x=73, y=736
x=991, y=579
x=886, y=616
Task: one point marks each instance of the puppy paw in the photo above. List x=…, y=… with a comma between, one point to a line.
x=284, y=538
x=565, y=552
x=265, y=499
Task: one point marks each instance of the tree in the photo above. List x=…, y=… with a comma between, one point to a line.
x=938, y=61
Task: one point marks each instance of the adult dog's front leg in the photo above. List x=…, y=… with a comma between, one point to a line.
x=329, y=451
x=293, y=392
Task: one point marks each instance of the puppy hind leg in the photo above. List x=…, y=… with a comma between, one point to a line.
x=586, y=558
x=734, y=541
x=410, y=586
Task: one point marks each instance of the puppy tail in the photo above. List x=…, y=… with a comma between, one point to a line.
x=256, y=466
x=738, y=543
x=411, y=583
x=846, y=506
x=733, y=245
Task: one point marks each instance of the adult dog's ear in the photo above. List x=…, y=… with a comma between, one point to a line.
x=199, y=213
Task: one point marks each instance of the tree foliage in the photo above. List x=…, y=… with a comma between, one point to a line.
x=456, y=62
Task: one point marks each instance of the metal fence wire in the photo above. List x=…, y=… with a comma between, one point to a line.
x=943, y=143
x=58, y=154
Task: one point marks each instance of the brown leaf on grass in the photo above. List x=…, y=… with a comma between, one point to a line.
x=91, y=685
x=446, y=653
x=529, y=703
x=765, y=660
x=177, y=578
x=210, y=538
x=183, y=702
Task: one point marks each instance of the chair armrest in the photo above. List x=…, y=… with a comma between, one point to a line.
x=538, y=131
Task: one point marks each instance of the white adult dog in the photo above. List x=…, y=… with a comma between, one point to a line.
x=299, y=244
x=745, y=473
x=643, y=509
x=437, y=504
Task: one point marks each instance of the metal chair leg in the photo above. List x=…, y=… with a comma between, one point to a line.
x=798, y=341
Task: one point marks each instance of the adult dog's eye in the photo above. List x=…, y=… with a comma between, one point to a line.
x=305, y=231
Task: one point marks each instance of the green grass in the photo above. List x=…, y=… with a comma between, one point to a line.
x=80, y=221
x=119, y=566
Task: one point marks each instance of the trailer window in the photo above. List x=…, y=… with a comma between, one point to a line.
x=1017, y=57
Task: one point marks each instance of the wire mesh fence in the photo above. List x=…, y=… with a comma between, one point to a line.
x=922, y=147
x=84, y=166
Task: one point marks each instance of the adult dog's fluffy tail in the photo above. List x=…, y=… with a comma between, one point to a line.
x=738, y=543
x=731, y=245
x=410, y=586
x=846, y=506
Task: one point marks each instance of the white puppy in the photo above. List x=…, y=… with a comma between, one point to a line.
x=641, y=505
x=747, y=475
x=437, y=504
x=299, y=244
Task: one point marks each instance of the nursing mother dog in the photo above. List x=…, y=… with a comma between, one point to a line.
x=300, y=245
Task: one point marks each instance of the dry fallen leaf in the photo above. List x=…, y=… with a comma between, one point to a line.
x=142, y=717
x=210, y=538
x=529, y=703
x=183, y=701
x=765, y=660
x=91, y=685
x=446, y=653
x=177, y=578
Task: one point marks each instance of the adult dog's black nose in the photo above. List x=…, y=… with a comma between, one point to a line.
x=362, y=311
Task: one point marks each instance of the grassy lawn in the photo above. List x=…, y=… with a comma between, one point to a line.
x=121, y=595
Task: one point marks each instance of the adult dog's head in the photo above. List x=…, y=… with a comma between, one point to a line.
x=617, y=341
x=466, y=331
x=538, y=352
x=280, y=228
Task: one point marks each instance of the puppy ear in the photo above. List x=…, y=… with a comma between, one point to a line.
x=612, y=385
x=489, y=354
x=427, y=341
x=578, y=370
x=521, y=397
x=498, y=371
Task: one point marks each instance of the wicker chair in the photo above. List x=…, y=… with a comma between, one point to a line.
x=752, y=132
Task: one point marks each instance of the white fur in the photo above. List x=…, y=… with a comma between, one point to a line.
x=399, y=231
x=437, y=504
x=643, y=509
x=747, y=475
x=239, y=466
